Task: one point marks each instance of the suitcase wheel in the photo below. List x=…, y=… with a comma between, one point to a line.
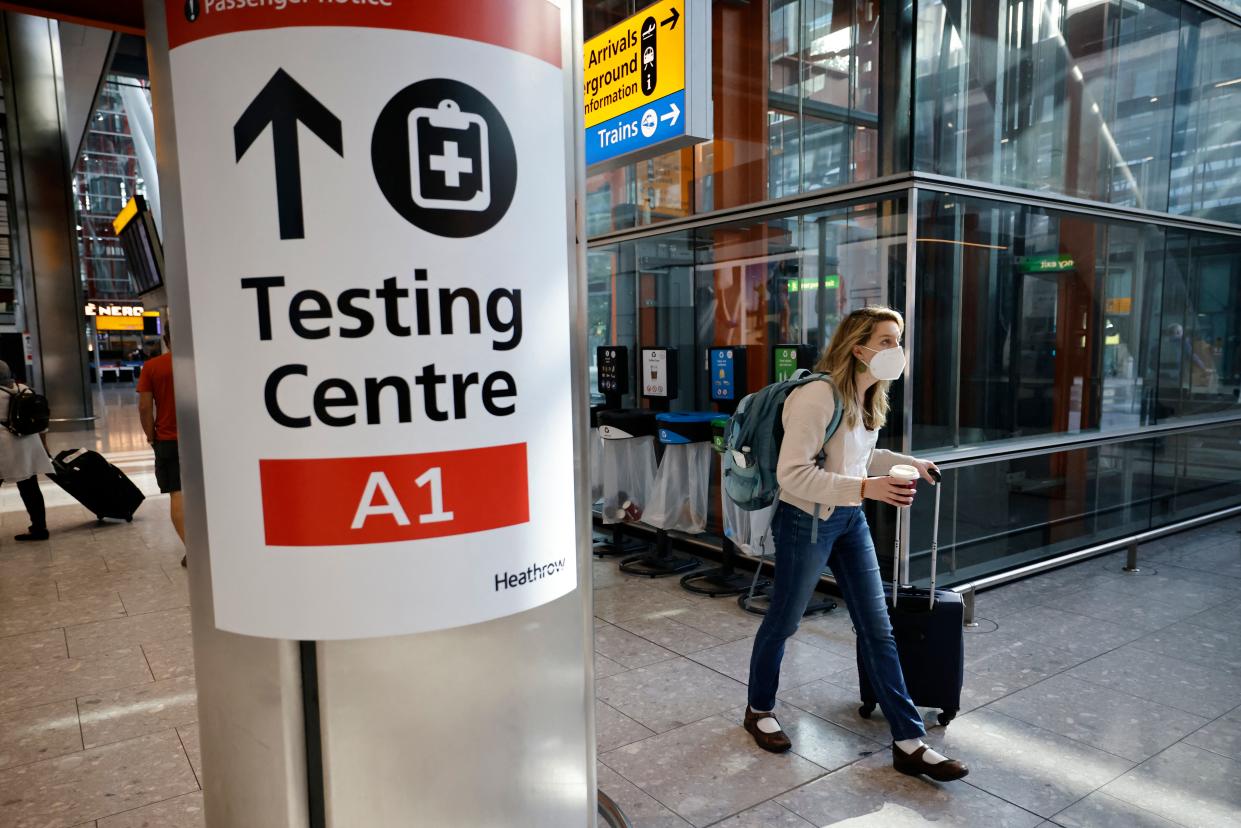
x=129, y=519
x=865, y=710
x=946, y=716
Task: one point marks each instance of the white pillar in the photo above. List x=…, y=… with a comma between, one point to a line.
x=142, y=129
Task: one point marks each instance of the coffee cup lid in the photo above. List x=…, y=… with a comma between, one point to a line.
x=903, y=472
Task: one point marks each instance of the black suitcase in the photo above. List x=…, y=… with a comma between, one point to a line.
x=930, y=638
x=97, y=484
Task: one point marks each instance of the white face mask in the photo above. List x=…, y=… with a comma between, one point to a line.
x=887, y=364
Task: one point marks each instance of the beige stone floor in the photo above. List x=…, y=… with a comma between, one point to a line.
x=97, y=698
x=116, y=430
x=1092, y=698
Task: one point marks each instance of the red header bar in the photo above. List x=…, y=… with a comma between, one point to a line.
x=528, y=26
x=353, y=500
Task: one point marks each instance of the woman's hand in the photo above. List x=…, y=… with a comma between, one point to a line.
x=890, y=490
x=924, y=468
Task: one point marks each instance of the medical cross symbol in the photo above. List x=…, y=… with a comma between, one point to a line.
x=451, y=164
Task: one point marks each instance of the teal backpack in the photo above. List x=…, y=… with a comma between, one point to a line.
x=752, y=441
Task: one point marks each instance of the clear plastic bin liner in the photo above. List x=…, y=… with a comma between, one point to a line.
x=627, y=477
x=682, y=486
x=747, y=530
x=596, y=465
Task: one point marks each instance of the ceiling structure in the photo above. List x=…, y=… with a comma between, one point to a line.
x=119, y=15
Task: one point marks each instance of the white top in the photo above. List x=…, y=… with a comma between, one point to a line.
x=859, y=443
x=20, y=457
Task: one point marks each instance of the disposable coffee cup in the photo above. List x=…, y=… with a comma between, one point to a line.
x=905, y=474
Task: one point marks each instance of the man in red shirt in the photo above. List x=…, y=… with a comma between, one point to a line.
x=157, y=409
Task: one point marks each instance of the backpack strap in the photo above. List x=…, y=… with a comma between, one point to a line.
x=837, y=415
x=832, y=427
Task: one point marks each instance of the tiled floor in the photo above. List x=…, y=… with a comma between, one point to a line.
x=1101, y=699
x=116, y=429
x=97, y=698
x=1095, y=699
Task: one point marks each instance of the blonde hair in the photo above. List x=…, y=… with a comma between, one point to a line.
x=839, y=362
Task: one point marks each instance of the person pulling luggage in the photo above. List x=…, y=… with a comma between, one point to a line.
x=23, y=457
x=863, y=359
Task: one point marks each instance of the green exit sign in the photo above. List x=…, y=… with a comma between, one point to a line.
x=1044, y=264
x=811, y=283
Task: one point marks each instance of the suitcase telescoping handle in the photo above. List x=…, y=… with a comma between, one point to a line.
x=899, y=556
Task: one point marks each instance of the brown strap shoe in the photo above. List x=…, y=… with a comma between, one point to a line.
x=913, y=764
x=777, y=742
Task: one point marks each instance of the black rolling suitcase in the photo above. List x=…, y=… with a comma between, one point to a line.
x=97, y=484
x=928, y=625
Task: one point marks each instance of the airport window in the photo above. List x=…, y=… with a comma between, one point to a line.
x=1206, y=164
x=1120, y=101
x=1034, y=321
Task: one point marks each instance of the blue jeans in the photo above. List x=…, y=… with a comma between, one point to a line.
x=844, y=544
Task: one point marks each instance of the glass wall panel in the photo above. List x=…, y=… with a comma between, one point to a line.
x=823, y=93
x=105, y=179
x=1028, y=322
x=1001, y=515
x=789, y=279
x=1196, y=473
x=1206, y=142
x=785, y=279
x=782, y=280
x=1198, y=368
x=1117, y=101
x=795, y=95
x=1033, y=321
x=610, y=311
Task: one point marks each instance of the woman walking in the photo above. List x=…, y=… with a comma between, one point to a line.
x=863, y=359
x=23, y=459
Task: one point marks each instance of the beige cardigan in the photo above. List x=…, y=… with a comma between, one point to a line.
x=807, y=411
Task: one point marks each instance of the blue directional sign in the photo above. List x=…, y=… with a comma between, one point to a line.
x=656, y=123
x=646, y=84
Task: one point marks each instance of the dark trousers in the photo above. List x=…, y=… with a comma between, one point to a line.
x=33, y=498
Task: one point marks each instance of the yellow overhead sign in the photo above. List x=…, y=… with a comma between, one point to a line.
x=634, y=63
x=125, y=216
x=118, y=323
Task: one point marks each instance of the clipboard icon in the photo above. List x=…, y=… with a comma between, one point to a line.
x=449, y=158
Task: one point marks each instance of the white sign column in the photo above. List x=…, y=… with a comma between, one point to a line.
x=372, y=273
x=374, y=203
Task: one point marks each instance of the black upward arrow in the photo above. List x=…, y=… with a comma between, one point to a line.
x=671, y=20
x=282, y=103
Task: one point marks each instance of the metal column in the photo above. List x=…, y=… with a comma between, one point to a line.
x=249, y=689
x=47, y=245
